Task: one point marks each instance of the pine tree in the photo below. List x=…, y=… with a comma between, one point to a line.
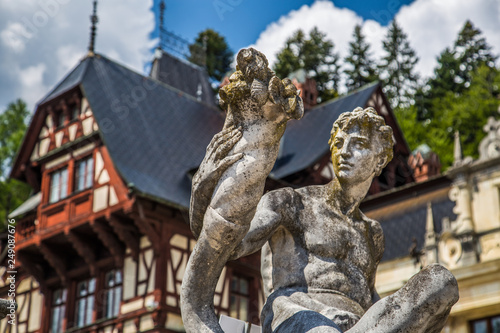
x=362, y=69
x=443, y=82
x=210, y=50
x=472, y=51
x=467, y=113
x=397, y=69
x=454, y=70
x=315, y=54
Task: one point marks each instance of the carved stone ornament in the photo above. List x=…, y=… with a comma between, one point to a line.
x=490, y=145
x=319, y=251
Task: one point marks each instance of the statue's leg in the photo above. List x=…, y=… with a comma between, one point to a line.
x=216, y=242
x=288, y=311
x=421, y=306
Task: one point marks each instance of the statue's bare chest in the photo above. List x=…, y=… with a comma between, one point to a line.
x=333, y=237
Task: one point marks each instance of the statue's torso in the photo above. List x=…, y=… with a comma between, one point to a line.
x=321, y=250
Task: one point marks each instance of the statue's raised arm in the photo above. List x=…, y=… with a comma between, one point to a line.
x=230, y=181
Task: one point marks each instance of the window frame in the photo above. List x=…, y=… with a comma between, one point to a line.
x=60, y=186
x=488, y=320
x=88, y=299
x=116, y=292
x=88, y=174
x=57, y=304
x=238, y=295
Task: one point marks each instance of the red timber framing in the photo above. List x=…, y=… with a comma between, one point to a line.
x=95, y=229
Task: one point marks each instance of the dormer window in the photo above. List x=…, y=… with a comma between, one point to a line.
x=58, y=185
x=84, y=172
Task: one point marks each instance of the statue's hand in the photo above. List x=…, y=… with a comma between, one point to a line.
x=216, y=159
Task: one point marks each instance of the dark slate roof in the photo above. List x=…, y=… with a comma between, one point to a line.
x=400, y=227
x=306, y=140
x=155, y=134
x=182, y=75
x=70, y=81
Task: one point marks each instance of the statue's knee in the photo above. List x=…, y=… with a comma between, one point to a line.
x=443, y=282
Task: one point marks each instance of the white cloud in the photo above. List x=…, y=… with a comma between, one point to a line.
x=431, y=25
x=337, y=23
x=54, y=34
x=31, y=79
x=14, y=36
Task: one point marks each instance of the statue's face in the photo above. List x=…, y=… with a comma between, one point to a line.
x=354, y=155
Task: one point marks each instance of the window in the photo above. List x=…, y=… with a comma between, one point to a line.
x=58, y=310
x=239, y=298
x=84, y=172
x=113, y=292
x=61, y=119
x=58, y=185
x=75, y=112
x=486, y=325
x=84, y=302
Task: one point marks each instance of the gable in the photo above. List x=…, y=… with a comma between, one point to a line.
x=52, y=137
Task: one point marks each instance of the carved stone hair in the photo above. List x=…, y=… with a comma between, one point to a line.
x=368, y=119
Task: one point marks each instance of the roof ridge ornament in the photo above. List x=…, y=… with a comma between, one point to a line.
x=93, y=20
x=162, y=21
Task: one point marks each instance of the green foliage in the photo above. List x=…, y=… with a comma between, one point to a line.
x=455, y=68
x=210, y=50
x=460, y=96
x=362, y=69
x=466, y=113
x=397, y=68
x=12, y=129
x=315, y=54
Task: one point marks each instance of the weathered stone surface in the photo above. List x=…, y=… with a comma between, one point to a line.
x=6, y=306
x=319, y=252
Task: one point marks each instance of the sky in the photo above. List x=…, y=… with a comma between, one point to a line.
x=42, y=40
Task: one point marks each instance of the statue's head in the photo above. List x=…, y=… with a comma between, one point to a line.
x=361, y=144
x=255, y=83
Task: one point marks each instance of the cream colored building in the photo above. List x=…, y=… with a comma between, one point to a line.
x=453, y=220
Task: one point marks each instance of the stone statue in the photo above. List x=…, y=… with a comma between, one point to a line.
x=319, y=252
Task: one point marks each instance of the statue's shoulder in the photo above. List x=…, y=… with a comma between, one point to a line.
x=312, y=191
x=375, y=226
x=280, y=196
x=377, y=234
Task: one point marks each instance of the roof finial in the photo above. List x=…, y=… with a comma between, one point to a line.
x=430, y=233
x=93, y=19
x=457, y=151
x=162, y=20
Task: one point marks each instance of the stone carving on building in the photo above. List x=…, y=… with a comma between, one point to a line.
x=490, y=145
x=471, y=237
x=319, y=251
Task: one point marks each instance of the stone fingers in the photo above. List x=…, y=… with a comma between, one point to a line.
x=226, y=143
x=228, y=161
x=216, y=140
